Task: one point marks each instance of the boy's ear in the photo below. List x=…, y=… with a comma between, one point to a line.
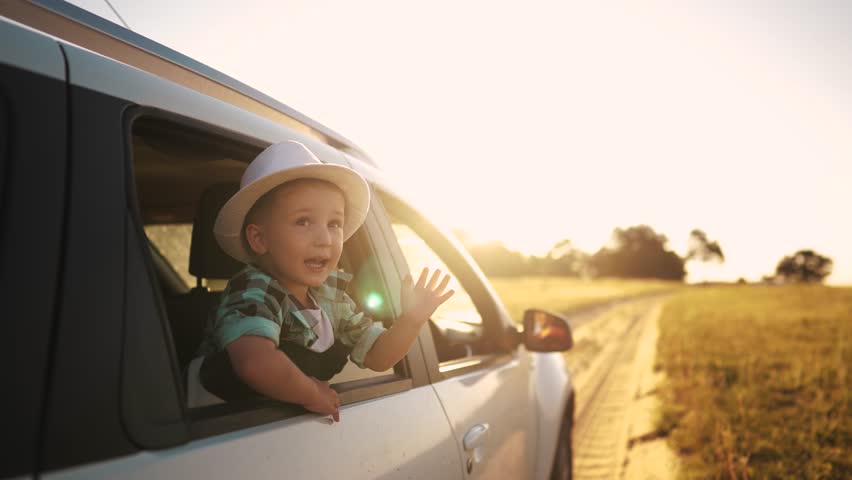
x=256, y=239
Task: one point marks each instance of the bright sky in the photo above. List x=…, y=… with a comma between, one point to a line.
x=530, y=122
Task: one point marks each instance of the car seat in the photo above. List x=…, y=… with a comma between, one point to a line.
x=188, y=312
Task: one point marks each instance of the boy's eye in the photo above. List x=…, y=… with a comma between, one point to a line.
x=335, y=224
x=303, y=221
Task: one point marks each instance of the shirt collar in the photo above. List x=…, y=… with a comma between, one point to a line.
x=331, y=289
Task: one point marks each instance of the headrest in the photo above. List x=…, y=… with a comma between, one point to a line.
x=206, y=258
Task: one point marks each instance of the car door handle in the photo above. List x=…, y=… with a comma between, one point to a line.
x=476, y=437
x=474, y=444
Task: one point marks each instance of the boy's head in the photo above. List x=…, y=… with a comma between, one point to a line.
x=295, y=231
x=286, y=194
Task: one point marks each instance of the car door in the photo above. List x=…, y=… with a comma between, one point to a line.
x=118, y=406
x=33, y=157
x=481, y=378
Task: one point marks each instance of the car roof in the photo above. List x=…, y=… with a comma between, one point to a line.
x=77, y=26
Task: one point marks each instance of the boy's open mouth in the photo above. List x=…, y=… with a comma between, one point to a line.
x=316, y=263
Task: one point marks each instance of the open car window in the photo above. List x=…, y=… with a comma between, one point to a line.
x=183, y=173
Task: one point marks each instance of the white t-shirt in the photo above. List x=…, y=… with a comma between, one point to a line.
x=323, y=328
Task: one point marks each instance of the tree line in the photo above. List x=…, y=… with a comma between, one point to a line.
x=634, y=252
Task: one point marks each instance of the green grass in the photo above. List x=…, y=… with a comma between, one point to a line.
x=563, y=294
x=759, y=381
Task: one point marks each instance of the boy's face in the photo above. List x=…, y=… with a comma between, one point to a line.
x=300, y=234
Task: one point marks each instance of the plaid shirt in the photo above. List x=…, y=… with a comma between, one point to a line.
x=254, y=303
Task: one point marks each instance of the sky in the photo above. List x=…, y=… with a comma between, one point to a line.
x=531, y=122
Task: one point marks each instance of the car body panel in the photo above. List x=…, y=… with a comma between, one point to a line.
x=33, y=175
x=496, y=396
x=375, y=439
x=553, y=391
x=26, y=49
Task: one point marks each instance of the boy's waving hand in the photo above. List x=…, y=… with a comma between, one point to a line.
x=422, y=299
x=419, y=302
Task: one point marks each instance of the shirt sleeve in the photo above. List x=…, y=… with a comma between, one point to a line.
x=247, y=312
x=357, y=330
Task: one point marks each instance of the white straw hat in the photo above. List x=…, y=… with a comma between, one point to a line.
x=277, y=164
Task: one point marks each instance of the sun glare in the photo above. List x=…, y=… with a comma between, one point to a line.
x=587, y=119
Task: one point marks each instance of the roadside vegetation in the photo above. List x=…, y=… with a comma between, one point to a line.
x=564, y=294
x=758, y=381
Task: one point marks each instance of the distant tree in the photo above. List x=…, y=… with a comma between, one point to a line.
x=804, y=266
x=560, y=248
x=565, y=260
x=701, y=248
x=637, y=252
x=539, y=266
x=498, y=261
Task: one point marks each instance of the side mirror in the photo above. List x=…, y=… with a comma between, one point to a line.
x=546, y=332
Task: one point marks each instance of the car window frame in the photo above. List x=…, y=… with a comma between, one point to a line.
x=223, y=418
x=468, y=276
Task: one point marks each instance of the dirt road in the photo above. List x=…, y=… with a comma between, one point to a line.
x=612, y=366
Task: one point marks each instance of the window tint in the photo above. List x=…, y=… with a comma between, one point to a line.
x=457, y=325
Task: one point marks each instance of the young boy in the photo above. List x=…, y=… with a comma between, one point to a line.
x=284, y=322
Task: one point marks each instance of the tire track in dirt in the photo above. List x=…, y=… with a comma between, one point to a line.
x=605, y=378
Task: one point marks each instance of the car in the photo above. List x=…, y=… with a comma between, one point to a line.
x=115, y=155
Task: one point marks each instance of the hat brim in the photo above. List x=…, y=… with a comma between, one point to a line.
x=229, y=222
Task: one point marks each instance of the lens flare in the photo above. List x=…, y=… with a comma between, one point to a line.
x=374, y=301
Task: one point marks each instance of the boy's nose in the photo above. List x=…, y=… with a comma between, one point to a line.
x=322, y=236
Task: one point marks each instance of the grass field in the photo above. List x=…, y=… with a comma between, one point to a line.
x=759, y=381
x=563, y=294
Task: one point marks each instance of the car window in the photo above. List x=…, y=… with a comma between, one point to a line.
x=457, y=325
x=181, y=182
x=460, y=307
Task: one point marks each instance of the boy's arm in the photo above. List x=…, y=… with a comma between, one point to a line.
x=259, y=363
x=392, y=344
x=418, y=304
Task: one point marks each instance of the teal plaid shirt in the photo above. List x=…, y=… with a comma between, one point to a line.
x=254, y=303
